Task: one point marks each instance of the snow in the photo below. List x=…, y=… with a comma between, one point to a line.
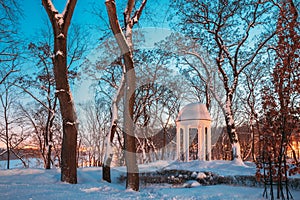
x=59, y=53
x=60, y=19
x=190, y=184
x=71, y=123
x=194, y=175
x=194, y=111
x=58, y=91
x=37, y=183
x=222, y=167
x=201, y=175
x=61, y=35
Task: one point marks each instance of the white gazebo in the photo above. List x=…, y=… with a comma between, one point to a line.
x=194, y=117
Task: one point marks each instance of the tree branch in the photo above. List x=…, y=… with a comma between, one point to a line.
x=138, y=13
x=128, y=11
x=115, y=26
x=260, y=46
x=68, y=13
x=50, y=8
x=34, y=97
x=6, y=75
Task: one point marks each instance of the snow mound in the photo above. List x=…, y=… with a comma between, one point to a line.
x=201, y=175
x=93, y=189
x=222, y=167
x=46, y=185
x=190, y=184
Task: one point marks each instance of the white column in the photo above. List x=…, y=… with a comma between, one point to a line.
x=178, y=142
x=186, y=143
x=209, y=141
x=199, y=141
x=203, y=143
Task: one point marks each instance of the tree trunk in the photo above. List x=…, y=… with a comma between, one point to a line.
x=130, y=141
x=49, y=124
x=113, y=128
x=48, y=158
x=8, y=155
x=5, y=106
x=69, y=143
x=230, y=125
x=109, y=154
x=60, y=24
x=125, y=44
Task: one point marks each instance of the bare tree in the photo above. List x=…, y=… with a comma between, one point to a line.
x=9, y=11
x=60, y=24
x=43, y=81
x=112, y=130
x=93, y=131
x=108, y=72
x=44, y=130
x=125, y=43
x=157, y=102
x=11, y=134
x=281, y=105
x=218, y=27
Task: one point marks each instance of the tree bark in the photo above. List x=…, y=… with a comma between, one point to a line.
x=4, y=102
x=60, y=24
x=130, y=144
x=125, y=44
x=114, y=118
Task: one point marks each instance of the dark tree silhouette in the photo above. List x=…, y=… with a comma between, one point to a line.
x=281, y=112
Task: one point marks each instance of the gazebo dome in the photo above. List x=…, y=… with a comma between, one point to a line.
x=193, y=111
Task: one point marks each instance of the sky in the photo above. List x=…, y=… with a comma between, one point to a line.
x=35, y=17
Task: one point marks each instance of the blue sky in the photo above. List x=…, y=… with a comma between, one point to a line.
x=34, y=20
x=35, y=17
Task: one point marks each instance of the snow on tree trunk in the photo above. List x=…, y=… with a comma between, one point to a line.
x=230, y=124
x=114, y=120
x=125, y=44
x=60, y=24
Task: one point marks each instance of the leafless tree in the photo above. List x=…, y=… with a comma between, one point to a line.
x=281, y=105
x=224, y=28
x=125, y=43
x=93, y=131
x=41, y=87
x=60, y=24
x=157, y=103
x=9, y=12
x=12, y=133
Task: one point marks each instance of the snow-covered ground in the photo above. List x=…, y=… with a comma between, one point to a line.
x=31, y=163
x=36, y=183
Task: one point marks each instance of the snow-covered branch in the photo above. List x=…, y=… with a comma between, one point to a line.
x=138, y=13
x=68, y=13
x=115, y=26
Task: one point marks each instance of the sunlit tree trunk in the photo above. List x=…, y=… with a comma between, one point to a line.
x=60, y=24
x=125, y=44
x=114, y=118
